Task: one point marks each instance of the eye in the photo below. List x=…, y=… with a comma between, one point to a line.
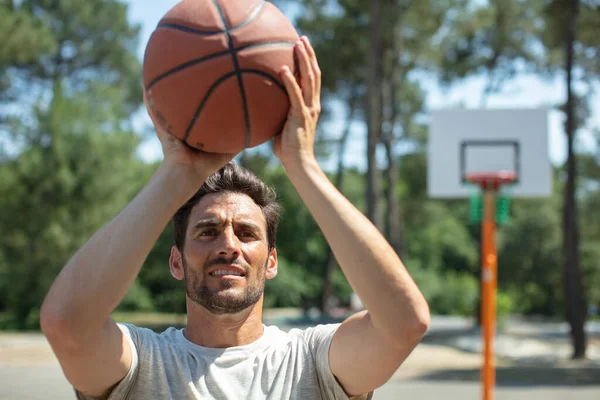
x=208, y=232
x=246, y=234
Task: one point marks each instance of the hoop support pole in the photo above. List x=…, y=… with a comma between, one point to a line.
x=489, y=281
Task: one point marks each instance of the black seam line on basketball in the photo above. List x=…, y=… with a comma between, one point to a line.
x=221, y=80
x=196, y=61
x=204, y=100
x=188, y=64
x=236, y=68
x=266, y=75
x=187, y=29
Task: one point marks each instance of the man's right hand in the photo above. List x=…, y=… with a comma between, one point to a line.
x=198, y=164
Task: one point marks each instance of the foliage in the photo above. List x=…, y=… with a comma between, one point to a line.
x=76, y=165
x=71, y=68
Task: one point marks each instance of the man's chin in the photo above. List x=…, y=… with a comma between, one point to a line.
x=225, y=301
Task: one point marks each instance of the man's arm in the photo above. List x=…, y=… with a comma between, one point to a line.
x=370, y=346
x=91, y=348
x=75, y=316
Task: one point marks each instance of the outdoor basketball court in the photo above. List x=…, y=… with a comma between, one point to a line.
x=28, y=370
x=484, y=157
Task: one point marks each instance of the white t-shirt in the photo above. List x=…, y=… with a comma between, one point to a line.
x=279, y=365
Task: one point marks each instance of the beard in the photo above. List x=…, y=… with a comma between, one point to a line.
x=227, y=299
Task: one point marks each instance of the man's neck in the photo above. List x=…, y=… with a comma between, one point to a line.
x=222, y=331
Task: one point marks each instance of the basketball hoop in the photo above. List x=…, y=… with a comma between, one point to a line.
x=492, y=180
x=488, y=156
x=497, y=183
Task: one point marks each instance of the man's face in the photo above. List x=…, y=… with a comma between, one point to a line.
x=226, y=258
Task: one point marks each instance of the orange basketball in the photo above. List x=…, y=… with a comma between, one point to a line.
x=211, y=72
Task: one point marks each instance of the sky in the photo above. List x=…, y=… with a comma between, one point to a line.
x=523, y=92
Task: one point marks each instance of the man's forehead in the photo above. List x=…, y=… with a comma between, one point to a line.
x=227, y=205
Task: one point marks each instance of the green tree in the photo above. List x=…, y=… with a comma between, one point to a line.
x=589, y=220
x=574, y=296
x=56, y=196
x=365, y=49
x=76, y=166
x=25, y=39
x=529, y=253
x=498, y=40
x=570, y=35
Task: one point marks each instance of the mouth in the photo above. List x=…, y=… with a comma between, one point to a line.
x=229, y=272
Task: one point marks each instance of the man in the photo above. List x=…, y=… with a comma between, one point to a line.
x=224, y=250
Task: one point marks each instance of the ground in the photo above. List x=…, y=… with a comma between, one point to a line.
x=533, y=364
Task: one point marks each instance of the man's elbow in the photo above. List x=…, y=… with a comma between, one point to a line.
x=409, y=330
x=415, y=329
x=422, y=320
x=55, y=325
x=51, y=320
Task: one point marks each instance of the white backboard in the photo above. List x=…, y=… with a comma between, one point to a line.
x=463, y=141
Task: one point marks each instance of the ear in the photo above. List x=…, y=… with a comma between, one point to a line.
x=176, y=264
x=271, y=271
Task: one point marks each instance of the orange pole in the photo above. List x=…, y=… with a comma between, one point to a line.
x=488, y=298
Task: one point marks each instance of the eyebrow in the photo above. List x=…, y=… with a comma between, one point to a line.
x=212, y=223
x=206, y=223
x=248, y=225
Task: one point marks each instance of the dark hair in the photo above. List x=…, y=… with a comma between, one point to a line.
x=234, y=179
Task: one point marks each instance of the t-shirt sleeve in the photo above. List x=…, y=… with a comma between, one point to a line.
x=121, y=391
x=319, y=340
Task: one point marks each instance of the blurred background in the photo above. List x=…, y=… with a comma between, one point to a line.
x=76, y=145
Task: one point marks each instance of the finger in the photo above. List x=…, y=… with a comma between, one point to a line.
x=162, y=133
x=307, y=79
x=314, y=63
x=149, y=108
x=293, y=90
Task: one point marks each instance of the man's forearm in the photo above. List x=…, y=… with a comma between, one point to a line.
x=371, y=266
x=98, y=276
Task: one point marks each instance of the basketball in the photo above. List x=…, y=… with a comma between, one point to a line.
x=211, y=73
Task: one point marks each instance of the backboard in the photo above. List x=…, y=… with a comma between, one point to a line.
x=466, y=141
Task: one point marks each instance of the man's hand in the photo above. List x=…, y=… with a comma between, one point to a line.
x=295, y=145
x=197, y=164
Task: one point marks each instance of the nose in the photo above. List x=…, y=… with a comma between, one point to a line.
x=229, y=245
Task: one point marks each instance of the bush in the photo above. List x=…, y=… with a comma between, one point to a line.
x=137, y=298
x=459, y=294
x=448, y=293
x=290, y=287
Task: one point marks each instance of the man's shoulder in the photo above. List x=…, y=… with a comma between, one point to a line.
x=143, y=336
x=319, y=329
x=315, y=335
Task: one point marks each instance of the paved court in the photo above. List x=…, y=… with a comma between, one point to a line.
x=46, y=382
x=28, y=370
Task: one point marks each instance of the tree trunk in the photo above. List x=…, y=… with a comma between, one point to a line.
x=394, y=217
x=374, y=114
x=339, y=180
x=393, y=226
x=575, y=309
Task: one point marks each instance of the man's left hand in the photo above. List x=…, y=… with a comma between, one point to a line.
x=295, y=145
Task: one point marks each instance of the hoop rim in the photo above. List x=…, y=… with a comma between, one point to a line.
x=492, y=180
